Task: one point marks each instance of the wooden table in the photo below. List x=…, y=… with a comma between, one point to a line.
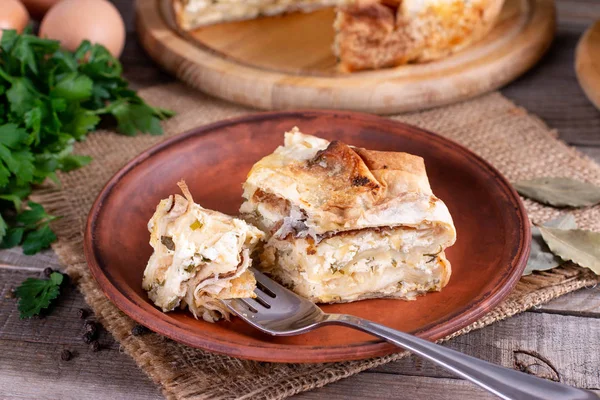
x=557, y=339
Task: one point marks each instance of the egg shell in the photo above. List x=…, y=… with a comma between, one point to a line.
x=38, y=8
x=72, y=21
x=13, y=15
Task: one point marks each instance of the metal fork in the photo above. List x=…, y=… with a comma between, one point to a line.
x=280, y=312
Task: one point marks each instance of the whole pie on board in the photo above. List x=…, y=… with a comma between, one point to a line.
x=369, y=34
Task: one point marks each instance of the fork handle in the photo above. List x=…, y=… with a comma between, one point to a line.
x=506, y=383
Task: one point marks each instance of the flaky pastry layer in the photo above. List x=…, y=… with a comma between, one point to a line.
x=200, y=256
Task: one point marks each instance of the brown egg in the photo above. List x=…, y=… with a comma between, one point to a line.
x=37, y=8
x=13, y=15
x=72, y=21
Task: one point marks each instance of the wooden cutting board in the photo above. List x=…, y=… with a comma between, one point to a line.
x=286, y=61
x=587, y=63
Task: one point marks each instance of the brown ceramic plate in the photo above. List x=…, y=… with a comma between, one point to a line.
x=487, y=259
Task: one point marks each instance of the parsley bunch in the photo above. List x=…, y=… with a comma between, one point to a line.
x=50, y=98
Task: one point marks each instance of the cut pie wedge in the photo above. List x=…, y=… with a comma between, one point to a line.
x=345, y=223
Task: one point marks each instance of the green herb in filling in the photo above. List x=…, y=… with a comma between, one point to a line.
x=196, y=225
x=190, y=268
x=172, y=304
x=433, y=256
x=333, y=268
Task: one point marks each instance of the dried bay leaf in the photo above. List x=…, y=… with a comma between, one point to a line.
x=541, y=258
x=559, y=192
x=581, y=247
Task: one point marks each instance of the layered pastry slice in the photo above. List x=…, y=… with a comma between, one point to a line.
x=369, y=34
x=374, y=34
x=191, y=14
x=346, y=223
x=200, y=256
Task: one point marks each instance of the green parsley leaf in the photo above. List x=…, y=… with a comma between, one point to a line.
x=33, y=215
x=36, y=294
x=13, y=238
x=3, y=228
x=14, y=198
x=29, y=227
x=21, y=96
x=9, y=38
x=38, y=240
x=82, y=122
x=73, y=86
x=73, y=161
x=12, y=136
x=132, y=118
x=33, y=122
x=4, y=175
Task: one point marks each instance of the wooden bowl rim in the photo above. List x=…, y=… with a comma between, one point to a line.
x=293, y=354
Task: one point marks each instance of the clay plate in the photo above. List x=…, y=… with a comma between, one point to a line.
x=487, y=259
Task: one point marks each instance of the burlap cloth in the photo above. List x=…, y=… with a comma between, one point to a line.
x=518, y=144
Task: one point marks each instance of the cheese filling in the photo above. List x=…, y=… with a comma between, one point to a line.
x=199, y=256
x=401, y=262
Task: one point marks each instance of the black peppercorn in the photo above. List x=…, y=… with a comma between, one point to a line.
x=95, y=346
x=88, y=337
x=90, y=326
x=66, y=355
x=47, y=272
x=139, y=330
x=82, y=313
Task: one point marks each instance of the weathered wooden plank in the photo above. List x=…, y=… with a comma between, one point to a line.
x=14, y=258
x=564, y=342
x=583, y=303
x=385, y=386
x=36, y=371
x=30, y=352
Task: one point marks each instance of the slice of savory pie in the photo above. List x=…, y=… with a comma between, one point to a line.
x=191, y=14
x=347, y=223
x=374, y=34
x=200, y=256
x=369, y=34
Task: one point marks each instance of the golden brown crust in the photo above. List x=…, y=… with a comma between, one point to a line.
x=398, y=172
x=392, y=160
x=349, y=176
x=335, y=187
x=344, y=173
x=371, y=35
